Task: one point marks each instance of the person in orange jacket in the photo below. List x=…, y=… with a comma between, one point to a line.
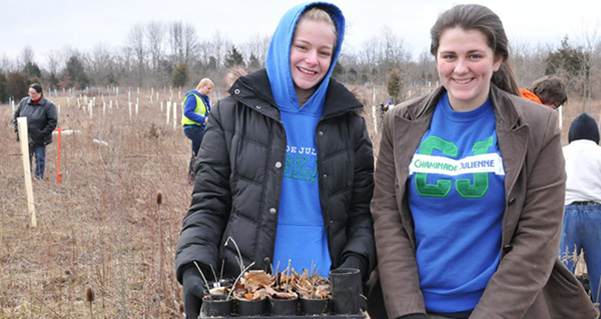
x=548, y=90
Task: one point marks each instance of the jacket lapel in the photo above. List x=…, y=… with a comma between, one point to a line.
x=513, y=142
x=512, y=137
x=410, y=127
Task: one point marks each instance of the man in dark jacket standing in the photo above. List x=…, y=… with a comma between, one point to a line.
x=41, y=121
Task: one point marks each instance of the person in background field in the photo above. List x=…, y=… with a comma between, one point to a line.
x=196, y=106
x=42, y=119
x=582, y=218
x=469, y=189
x=286, y=169
x=548, y=90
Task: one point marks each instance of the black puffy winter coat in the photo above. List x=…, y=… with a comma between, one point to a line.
x=42, y=119
x=240, y=171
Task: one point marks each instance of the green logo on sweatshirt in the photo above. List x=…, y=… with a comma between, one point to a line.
x=480, y=165
x=301, y=163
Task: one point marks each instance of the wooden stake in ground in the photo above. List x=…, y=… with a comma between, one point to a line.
x=23, y=138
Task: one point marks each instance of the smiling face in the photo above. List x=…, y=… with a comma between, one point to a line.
x=310, y=56
x=465, y=66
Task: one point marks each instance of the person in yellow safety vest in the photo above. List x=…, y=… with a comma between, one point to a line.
x=196, y=106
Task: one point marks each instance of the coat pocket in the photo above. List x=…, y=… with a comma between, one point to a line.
x=565, y=296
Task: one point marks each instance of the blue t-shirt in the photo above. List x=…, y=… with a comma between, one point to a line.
x=457, y=198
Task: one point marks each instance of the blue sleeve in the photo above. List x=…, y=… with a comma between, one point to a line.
x=189, y=108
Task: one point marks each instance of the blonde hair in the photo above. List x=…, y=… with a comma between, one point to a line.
x=320, y=15
x=205, y=82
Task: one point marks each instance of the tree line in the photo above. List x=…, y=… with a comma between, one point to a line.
x=160, y=54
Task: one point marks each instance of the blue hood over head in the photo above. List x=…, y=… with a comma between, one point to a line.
x=278, y=57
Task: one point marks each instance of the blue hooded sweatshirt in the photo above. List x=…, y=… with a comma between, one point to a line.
x=301, y=238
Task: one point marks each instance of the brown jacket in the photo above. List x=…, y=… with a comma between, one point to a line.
x=530, y=282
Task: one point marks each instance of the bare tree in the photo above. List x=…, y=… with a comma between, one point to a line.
x=124, y=64
x=190, y=44
x=27, y=56
x=54, y=61
x=257, y=47
x=220, y=45
x=528, y=61
x=176, y=42
x=183, y=41
x=7, y=65
x=154, y=36
x=590, y=42
x=393, y=47
x=380, y=55
x=136, y=43
x=102, y=66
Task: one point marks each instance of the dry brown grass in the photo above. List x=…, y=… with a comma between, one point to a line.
x=98, y=230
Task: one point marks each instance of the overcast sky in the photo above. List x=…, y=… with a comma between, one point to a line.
x=51, y=25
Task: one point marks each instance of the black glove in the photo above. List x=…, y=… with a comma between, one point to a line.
x=414, y=316
x=194, y=290
x=355, y=262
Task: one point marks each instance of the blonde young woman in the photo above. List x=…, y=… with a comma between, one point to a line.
x=286, y=169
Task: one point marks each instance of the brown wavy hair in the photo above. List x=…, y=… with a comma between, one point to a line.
x=481, y=18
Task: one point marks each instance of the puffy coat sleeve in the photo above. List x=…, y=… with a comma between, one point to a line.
x=17, y=114
x=360, y=224
x=209, y=210
x=51, y=120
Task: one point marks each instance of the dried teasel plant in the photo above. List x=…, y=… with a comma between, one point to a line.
x=159, y=198
x=162, y=277
x=90, y=296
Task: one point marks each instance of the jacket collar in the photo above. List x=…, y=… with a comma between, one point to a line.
x=504, y=107
x=42, y=101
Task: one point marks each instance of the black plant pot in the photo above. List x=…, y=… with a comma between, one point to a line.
x=283, y=307
x=216, y=306
x=314, y=306
x=251, y=308
x=346, y=287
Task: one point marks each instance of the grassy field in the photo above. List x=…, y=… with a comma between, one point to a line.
x=111, y=226
x=100, y=228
